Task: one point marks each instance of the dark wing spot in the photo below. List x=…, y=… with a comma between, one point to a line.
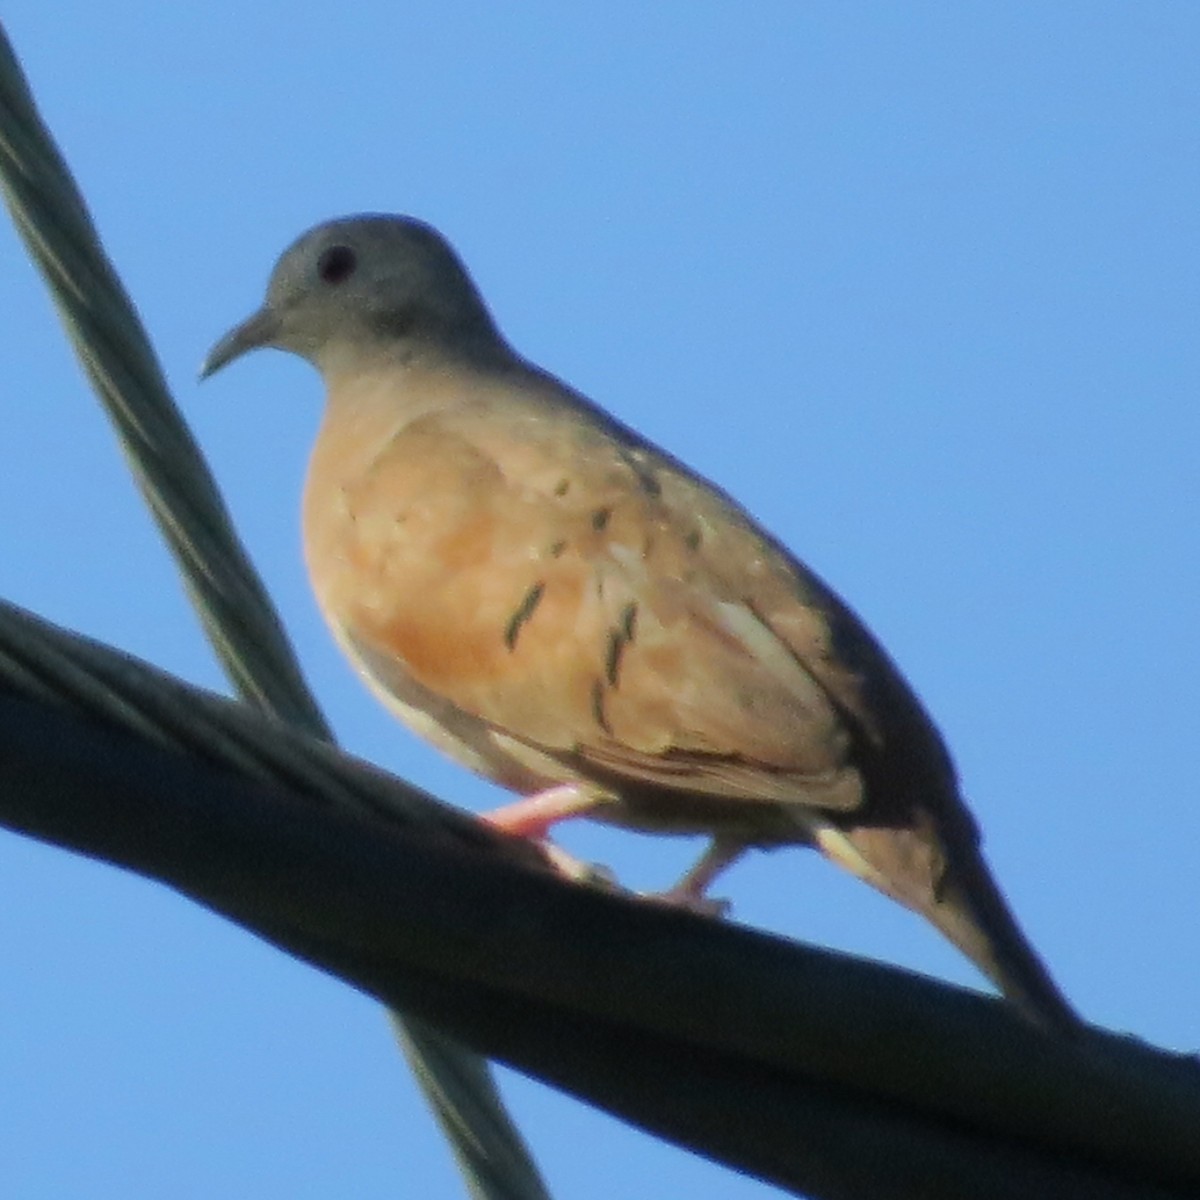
x=524, y=611
x=647, y=480
x=600, y=518
x=629, y=621
x=598, y=706
x=692, y=539
x=618, y=639
x=556, y=548
x=612, y=658
x=562, y=487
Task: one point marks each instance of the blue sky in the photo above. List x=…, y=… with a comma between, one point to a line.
x=918, y=283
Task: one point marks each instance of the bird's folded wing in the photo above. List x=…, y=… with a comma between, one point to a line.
x=601, y=604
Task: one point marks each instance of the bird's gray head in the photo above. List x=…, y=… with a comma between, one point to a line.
x=364, y=286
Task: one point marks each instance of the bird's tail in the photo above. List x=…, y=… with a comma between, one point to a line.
x=950, y=885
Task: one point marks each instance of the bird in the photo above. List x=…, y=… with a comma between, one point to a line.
x=570, y=611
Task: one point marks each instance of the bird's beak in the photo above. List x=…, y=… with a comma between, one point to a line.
x=262, y=329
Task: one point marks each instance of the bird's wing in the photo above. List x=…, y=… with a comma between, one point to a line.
x=584, y=595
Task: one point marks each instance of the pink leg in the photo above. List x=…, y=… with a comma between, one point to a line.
x=688, y=893
x=533, y=816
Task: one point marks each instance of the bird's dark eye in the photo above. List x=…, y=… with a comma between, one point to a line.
x=337, y=264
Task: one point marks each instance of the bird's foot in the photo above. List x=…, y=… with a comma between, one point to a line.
x=688, y=893
x=532, y=817
x=578, y=871
x=689, y=900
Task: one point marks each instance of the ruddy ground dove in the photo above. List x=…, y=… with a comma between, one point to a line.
x=568, y=610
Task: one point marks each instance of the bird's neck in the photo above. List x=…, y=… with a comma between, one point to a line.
x=370, y=402
x=471, y=348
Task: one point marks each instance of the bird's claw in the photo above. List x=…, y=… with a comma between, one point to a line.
x=578, y=871
x=689, y=900
x=682, y=897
